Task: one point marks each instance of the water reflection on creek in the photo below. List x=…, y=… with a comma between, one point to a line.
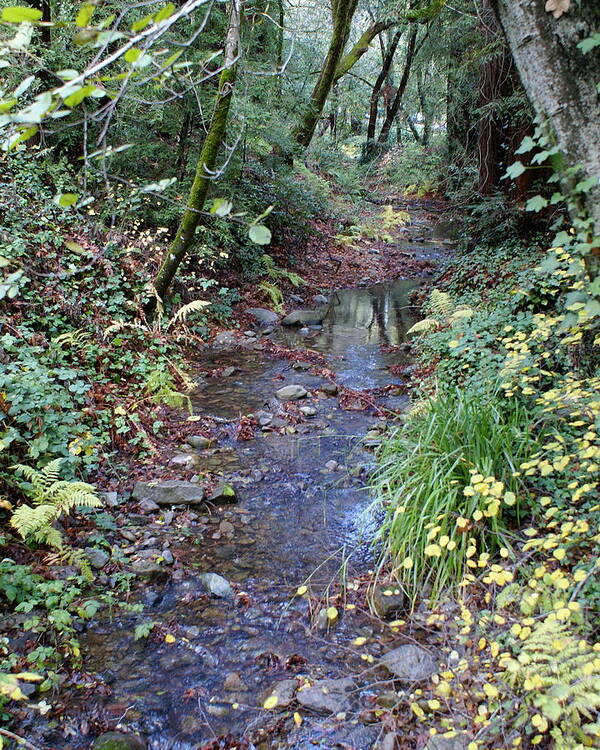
x=294, y=517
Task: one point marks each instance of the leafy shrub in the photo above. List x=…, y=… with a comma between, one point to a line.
x=412, y=168
x=449, y=486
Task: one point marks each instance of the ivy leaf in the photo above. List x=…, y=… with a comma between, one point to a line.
x=259, y=234
x=527, y=144
x=20, y=14
x=536, y=203
x=514, y=171
x=588, y=44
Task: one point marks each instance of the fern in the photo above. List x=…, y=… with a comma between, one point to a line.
x=161, y=389
x=557, y=675
x=440, y=303
x=274, y=272
x=441, y=306
x=52, y=498
x=274, y=294
x=183, y=312
x=423, y=326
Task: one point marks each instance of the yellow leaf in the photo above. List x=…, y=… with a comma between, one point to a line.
x=301, y=590
x=297, y=719
x=332, y=613
x=170, y=638
x=271, y=702
x=360, y=641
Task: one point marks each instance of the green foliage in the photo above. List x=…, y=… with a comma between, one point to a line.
x=52, y=499
x=449, y=486
x=412, y=168
x=559, y=676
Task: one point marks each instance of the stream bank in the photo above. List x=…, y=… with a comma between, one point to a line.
x=300, y=472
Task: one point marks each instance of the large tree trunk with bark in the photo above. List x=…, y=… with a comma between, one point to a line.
x=342, y=11
x=560, y=80
x=495, y=83
x=206, y=161
x=395, y=108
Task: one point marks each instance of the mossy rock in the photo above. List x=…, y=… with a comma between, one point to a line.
x=118, y=741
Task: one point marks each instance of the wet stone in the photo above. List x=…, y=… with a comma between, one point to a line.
x=388, y=601
x=169, y=492
x=233, y=683
x=326, y=696
x=308, y=411
x=284, y=691
x=223, y=493
x=291, y=393
x=410, y=663
x=302, y=366
x=305, y=317
x=97, y=557
x=199, y=442
x=329, y=388
x=216, y=585
x=185, y=460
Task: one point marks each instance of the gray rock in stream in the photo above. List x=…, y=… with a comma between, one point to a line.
x=388, y=601
x=305, y=317
x=266, y=317
x=169, y=492
x=216, y=585
x=284, y=691
x=326, y=696
x=118, y=741
x=199, y=442
x=291, y=393
x=410, y=663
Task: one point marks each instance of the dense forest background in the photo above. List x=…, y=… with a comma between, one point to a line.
x=167, y=165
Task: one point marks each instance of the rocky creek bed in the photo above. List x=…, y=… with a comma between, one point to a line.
x=217, y=568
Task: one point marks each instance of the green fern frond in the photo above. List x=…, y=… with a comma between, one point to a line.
x=274, y=294
x=423, y=326
x=27, y=520
x=440, y=303
x=183, y=312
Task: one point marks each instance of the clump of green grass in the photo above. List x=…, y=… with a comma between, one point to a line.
x=435, y=521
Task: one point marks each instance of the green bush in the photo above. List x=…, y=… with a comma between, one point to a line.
x=453, y=461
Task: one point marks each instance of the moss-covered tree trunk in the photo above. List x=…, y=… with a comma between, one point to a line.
x=342, y=11
x=350, y=59
x=206, y=161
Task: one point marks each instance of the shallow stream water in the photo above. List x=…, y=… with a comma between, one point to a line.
x=296, y=521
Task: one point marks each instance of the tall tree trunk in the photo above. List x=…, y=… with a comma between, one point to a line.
x=561, y=81
x=385, y=69
x=342, y=11
x=362, y=45
x=206, y=161
x=183, y=144
x=495, y=82
x=391, y=115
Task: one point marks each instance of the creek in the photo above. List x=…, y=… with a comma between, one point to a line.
x=302, y=517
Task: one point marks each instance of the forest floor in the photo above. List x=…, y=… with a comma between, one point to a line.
x=286, y=531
